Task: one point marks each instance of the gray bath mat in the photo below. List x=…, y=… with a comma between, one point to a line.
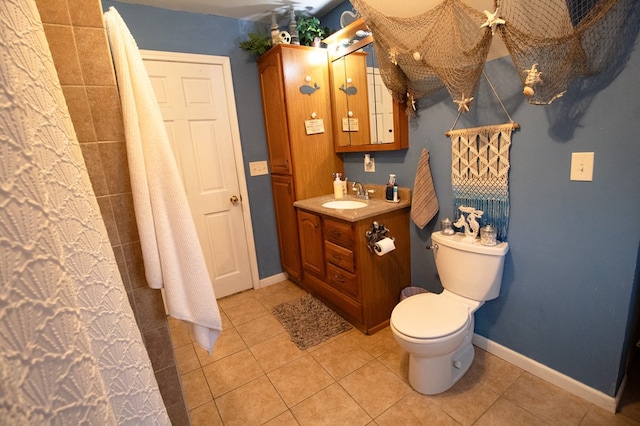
x=309, y=321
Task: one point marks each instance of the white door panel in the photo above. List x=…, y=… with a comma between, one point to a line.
x=195, y=103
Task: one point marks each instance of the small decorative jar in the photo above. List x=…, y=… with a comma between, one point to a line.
x=446, y=229
x=488, y=235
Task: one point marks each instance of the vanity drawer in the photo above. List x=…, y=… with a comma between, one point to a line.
x=342, y=280
x=338, y=232
x=340, y=256
x=344, y=303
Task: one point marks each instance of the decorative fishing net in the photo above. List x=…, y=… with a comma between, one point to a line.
x=562, y=39
x=550, y=42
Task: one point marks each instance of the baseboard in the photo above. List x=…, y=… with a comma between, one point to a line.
x=274, y=279
x=596, y=397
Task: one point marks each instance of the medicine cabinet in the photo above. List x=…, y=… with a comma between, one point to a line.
x=365, y=116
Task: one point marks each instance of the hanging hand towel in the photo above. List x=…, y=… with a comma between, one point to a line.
x=424, y=204
x=171, y=252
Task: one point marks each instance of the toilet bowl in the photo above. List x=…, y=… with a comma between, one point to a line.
x=437, y=329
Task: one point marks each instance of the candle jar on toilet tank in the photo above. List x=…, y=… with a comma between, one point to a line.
x=446, y=228
x=488, y=235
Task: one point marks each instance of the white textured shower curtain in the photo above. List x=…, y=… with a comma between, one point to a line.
x=172, y=255
x=70, y=350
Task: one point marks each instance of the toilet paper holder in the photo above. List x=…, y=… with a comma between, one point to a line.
x=376, y=233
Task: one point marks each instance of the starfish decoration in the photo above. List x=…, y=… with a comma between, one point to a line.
x=393, y=56
x=463, y=104
x=493, y=20
x=533, y=76
x=412, y=100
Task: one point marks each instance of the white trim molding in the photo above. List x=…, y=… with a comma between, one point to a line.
x=594, y=396
x=274, y=279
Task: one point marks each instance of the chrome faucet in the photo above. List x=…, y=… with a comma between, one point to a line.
x=360, y=192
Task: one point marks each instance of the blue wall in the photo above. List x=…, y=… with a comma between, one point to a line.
x=570, y=277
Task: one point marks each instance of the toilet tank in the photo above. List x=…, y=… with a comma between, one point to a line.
x=468, y=268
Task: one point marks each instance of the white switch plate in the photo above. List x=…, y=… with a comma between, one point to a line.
x=257, y=168
x=582, y=166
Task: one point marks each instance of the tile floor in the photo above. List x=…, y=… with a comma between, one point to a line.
x=257, y=376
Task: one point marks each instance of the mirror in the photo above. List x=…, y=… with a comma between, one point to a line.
x=365, y=117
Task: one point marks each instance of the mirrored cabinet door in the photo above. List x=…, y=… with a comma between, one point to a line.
x=381, y=117
x=351, y=115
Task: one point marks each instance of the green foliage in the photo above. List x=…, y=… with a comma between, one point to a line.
x=309, y=28
x=257, y=44
x=260, y=42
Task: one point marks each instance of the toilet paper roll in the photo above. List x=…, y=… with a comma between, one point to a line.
x=384, y=246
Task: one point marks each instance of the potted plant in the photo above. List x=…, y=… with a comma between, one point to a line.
x=257, y=44
x=309, y=28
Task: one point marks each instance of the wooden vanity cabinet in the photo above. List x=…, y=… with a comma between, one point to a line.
x=360, y=285
x=294, y=82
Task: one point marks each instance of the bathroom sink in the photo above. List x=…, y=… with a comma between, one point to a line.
x=344, y=204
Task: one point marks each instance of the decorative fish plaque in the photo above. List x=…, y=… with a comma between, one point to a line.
x=307, y=89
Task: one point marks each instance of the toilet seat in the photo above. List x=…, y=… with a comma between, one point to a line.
x=429, y=316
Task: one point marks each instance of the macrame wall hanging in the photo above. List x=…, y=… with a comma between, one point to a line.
x=480, y=174
x=549, y=41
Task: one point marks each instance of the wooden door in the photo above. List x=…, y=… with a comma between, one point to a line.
x=311, y=243
x=351, y=100
x=308, y=97
x=275, y=113
x=283, y=198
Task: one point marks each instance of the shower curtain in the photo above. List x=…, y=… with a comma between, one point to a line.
x=70, y=349
x=171, y=251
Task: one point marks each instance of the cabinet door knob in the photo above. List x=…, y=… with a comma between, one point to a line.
x=338, y=278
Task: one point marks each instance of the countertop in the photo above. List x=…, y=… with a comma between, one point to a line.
x=377, y=204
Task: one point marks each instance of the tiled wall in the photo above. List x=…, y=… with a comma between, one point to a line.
x=78, y=43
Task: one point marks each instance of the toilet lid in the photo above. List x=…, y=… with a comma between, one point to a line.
x=428, y=316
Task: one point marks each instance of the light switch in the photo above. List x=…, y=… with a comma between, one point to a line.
x=582, y=166
x=257, y=168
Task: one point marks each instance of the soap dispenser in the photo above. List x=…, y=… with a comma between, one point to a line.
x=338, y=191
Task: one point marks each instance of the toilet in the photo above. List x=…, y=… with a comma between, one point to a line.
x=436, y=329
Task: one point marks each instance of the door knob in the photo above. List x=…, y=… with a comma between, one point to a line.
x=234, y=199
